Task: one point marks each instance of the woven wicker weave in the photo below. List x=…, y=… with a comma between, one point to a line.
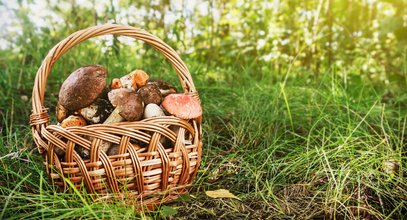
x=144, y=169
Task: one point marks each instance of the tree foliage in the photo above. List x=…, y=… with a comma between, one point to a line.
x=365, y=37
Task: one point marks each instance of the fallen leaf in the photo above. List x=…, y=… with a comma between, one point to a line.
x=390, y=166
x=221, y=193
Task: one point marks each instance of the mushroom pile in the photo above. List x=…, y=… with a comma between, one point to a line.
x=85, y=98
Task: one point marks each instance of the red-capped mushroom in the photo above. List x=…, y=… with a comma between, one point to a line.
x=182, y=106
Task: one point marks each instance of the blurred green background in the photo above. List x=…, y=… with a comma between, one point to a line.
x=366, y=37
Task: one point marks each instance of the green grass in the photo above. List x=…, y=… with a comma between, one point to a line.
x=294, y=147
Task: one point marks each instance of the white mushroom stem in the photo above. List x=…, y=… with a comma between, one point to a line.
x=128, y=82
x=89, y=113
x=114, y=117
x=153, y=110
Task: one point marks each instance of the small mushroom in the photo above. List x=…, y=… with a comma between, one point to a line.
x=153, y=110
x=113, y=150
x=97, y=112
x=84, y=153
x=164, y=87
x=150, y=94
x=182, y=106
x=73, y=120
x=82, y=87
x=141, y=78
x=134, y=80
x=116, y=84
x=128, y=106
x=136, y=146
x=167, y=143
x=62, y=112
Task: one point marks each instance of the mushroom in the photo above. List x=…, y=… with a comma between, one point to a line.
x=141, y=78
x=134, y=80
x=182, y=106
x=113, y=150
x=153, y=110
x=167, y=143
x=128, y=106
x=116, y=84
x=61, y=112
x=164, y=87
x=82, y=87
x=97, y=112
x=73, y=120
x=150, y=94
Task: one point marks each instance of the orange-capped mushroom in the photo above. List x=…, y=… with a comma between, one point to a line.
x=73, y=120
x=134, y=80
x=116, y=84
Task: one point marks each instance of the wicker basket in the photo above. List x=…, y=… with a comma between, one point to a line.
x=149, y=175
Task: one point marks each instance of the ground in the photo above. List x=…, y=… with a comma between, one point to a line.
x=291, y=147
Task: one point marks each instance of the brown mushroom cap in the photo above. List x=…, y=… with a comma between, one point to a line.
x=73, y=120
x=128, y=102
x=164, y=87
x=150, y=94
x=182, y=106
x=82, y=87
x=113, y=150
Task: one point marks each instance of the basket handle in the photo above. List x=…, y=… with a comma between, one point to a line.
x=39, y=116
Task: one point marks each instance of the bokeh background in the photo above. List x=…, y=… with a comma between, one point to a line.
x=366, y=37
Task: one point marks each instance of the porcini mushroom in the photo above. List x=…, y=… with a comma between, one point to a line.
x=150, y=94
x=164, y=87
x=61, y=112
x=134, y=80
x=82, y=87
x=73, y=120
x=182, y=106
x=128, y=106
x=153, y=110
x=97, y=112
